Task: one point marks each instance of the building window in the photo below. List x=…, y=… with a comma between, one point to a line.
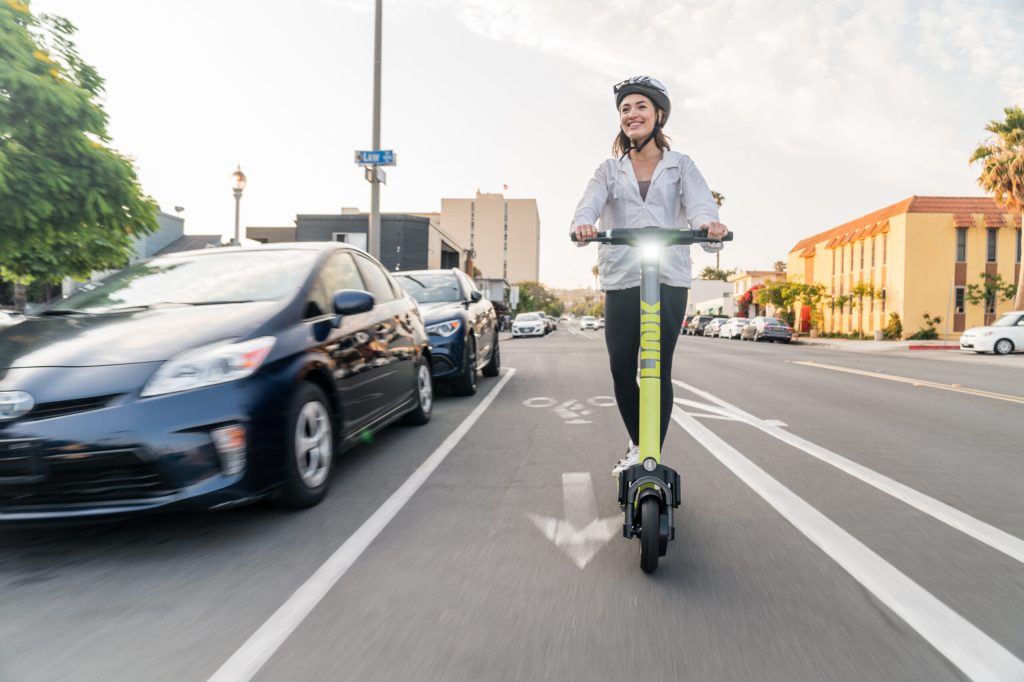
x=504, y=255
x=842, y=260
x=862, y=255
x=885, y=249
x=354, y=238
x=834, y=254
x=961, y=245
x=872, y=252
x=993, y=237
x=958, y=305
x=882, y=299
x=851, y=257
x=1018, y=245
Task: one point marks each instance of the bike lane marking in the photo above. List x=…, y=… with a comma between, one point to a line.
x=995, y=538
x=262, y=644
x=957, y=639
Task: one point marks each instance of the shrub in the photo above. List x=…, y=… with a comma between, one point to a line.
x=893, y=330
x=927, y=332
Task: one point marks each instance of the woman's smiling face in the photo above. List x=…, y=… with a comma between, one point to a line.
x=637, y=116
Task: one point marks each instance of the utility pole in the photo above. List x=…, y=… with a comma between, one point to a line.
x=373, y=238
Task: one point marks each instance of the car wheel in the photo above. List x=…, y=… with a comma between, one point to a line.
x=491, y=368
x=309, y=449
x=1003, y=347
x=466, y=383
x=420, y=414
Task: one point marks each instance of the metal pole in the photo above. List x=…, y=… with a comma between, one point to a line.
x=373, y=239
x=238, y=201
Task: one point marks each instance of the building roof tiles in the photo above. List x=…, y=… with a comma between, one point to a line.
x=961, y=207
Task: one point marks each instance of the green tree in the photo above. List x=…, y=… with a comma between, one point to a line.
x=534, y=296
x=992, y=289
x=779, y=266
x=860, y=291
x=71, y=204
x=1002, y=170
x=595, y=271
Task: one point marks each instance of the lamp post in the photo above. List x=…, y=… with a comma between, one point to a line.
x=238, y=184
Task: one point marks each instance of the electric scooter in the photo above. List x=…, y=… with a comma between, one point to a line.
x=649, y=491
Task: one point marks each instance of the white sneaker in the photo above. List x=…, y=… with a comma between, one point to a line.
x=632, y=458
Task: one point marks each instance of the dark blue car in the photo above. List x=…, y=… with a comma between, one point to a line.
x=462, y=325
x=206, y=379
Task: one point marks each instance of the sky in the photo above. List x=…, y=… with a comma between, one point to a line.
x=803, y=114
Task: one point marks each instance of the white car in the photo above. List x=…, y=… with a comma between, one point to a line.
x=529, y=324
x=1003, y=336
x=732, y=327
x=588, y=322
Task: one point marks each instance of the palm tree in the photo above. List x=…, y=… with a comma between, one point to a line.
x=1002, y=174
x=595, y=271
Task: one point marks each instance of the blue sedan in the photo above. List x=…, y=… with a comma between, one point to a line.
x=462, y=325
x=206, y=379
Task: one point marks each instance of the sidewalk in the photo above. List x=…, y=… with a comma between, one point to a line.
x=870, y=346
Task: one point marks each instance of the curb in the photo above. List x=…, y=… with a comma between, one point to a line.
x=933, y=347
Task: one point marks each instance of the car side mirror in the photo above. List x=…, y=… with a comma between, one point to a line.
x=475, y=296
x=350, y=302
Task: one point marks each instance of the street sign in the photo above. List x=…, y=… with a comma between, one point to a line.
x=379, y=157
x=382, y=178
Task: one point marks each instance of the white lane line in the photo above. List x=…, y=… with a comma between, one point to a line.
x=257, y=650
x=951, y=516
x=956, y=388
x=966, y=647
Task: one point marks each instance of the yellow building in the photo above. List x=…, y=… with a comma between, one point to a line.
x=915, y=257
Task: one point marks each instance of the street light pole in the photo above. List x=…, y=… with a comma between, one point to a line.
x=238, y=184
x=373, y=238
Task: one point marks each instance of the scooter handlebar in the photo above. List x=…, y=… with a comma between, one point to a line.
x=665, y=236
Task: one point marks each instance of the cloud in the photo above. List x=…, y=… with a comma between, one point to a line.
x=857, y=79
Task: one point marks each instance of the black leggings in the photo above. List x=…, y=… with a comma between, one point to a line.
x=622, y=336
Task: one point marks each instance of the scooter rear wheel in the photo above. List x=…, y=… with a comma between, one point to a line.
x=650, y=534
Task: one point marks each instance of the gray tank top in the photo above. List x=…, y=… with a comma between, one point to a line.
x=643, y=188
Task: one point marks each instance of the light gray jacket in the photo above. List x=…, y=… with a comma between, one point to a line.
x=677, y=197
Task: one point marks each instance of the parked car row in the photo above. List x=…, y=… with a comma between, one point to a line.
x=759, y=328
x=213, y=378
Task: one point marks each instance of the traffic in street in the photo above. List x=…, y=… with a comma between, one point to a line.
x=845, y=516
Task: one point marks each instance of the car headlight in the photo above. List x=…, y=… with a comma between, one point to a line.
x=987, y=332
x=446, y=328
x=216, y=363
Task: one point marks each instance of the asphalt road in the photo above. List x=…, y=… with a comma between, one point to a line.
x=845, y=517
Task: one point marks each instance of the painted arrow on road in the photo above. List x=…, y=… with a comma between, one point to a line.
x=581, y=535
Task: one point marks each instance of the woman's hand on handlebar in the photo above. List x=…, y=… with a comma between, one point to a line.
x=715, y=230
x=585, y=233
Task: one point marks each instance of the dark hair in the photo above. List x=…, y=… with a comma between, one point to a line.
x=623, y=144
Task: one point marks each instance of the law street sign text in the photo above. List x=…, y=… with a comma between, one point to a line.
x=379, y=157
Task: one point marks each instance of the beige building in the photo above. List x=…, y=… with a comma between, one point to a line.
x=743, y=281
x=503, y=233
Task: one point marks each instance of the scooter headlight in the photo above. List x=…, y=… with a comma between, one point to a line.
x=650, y=252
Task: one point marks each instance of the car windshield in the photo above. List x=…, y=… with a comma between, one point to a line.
x=196, y=279
x=1008, y=320
x=431, y=287
x=527, y=317
x=772, y=320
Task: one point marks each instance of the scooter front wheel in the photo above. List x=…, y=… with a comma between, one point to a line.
x=650, y=533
